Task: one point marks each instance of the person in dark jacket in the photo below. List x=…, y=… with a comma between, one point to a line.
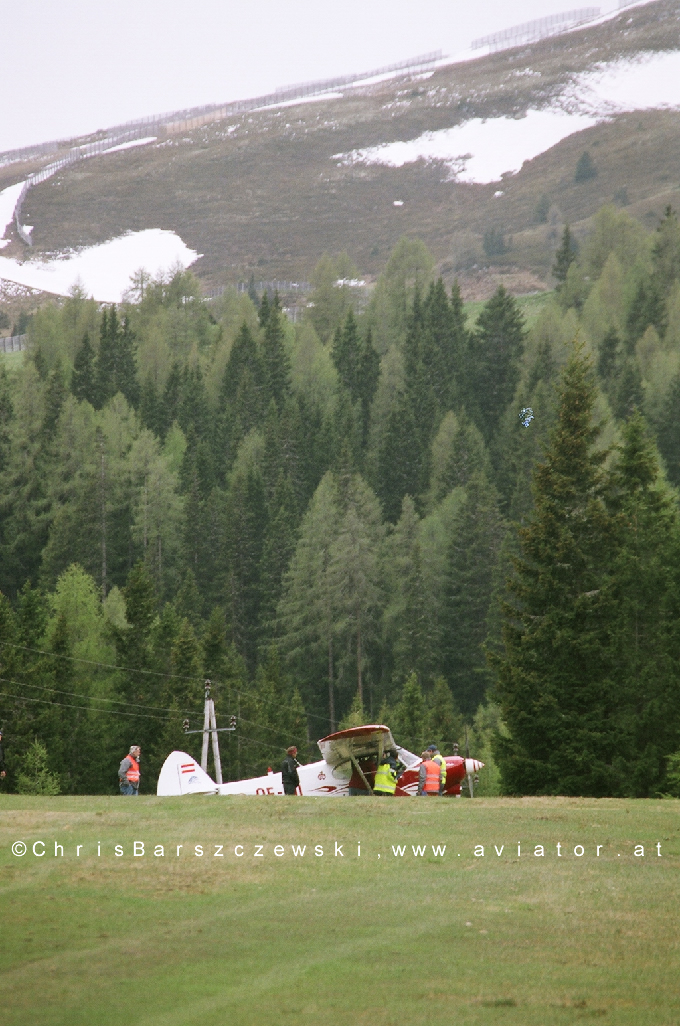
x=3, y=771
x=289, y=773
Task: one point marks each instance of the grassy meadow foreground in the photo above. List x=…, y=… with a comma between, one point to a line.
x=379, y=938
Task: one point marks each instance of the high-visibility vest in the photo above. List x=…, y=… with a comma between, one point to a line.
x=441, y=762
x=133, y=772
x=432, y=778
x=385, y=779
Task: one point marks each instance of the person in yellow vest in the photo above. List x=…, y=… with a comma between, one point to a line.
x=437, y=757
x=128, y=773
x=429, y=776
x=387, y=774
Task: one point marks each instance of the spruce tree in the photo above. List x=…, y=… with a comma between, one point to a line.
x=307, y=612
x=642, y=605
x=564, y=257
x=648, y=306
x=585, y=168
x=668, y=431
x=554, y=675
x=476, y=537
x=628, y=394
x=666, y=250
x=369, y=373
x=410, y=622
x=409, y=717
x=274, y=356
x=346, y=355
x=83, y=379
x=496, y=351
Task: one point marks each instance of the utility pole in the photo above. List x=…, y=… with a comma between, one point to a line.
x=210, y=728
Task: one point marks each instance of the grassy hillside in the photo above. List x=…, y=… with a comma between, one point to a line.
x=270, y=940
x=259, y=193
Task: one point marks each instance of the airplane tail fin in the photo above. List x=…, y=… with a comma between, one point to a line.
x=181, y=774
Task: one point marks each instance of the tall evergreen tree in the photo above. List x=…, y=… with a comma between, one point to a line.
x=553, y=674
x=643, y=606
x=496, y=352
x=666, y=250
x=564, y=257
x=410, y=622
x=83, y=379
x=274, y=356
x=477, y=533
x=668, y=431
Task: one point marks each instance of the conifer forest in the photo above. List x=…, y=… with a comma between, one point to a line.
x=459, y=520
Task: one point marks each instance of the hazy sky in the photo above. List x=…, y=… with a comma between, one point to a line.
x=73, y=66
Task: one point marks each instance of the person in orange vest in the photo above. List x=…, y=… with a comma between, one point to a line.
x=429, y=776
x=436, y=755
x=128, y=773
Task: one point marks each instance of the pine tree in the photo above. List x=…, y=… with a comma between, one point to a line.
x=554, y=673
x=666, y=250
x=245, y=525
x=307, y=613
x=648, y=306
x=564, y=257
x=252, y=292
x=409, y=718
x=585, y=168
x=628, y=394
x=346, y=355
x=353, y=577
x=278, y=548
x=668, y=431
x=369, y=374
x=399, y=471
x=275, y=359
x=477, y=533
x=609, y=355
x=83, y=379
x=641, y=599
x=410, y=623
x=126, y=368
x=172, y=393
x=496, y=352
x=444, y=723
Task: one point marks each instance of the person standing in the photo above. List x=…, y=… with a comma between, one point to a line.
x=289, y=771
x=387, y=774
x=429, y=776
x=3, y=770
x=128, y=773
x=437, y=757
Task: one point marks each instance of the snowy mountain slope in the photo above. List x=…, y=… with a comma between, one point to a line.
x=449, y=156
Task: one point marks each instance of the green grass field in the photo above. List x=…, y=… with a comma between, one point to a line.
x=377, y=938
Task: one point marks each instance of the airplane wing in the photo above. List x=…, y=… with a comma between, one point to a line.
x=362, y=742
x=355, y=743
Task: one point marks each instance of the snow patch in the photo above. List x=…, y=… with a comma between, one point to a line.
x=8, y=201
x=105, y=270
x=482, y=151
x=297, y=103
x=134, y=142
x=650, y=81
x=479, y=151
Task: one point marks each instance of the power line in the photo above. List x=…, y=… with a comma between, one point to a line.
x=127, y=669
x=91, y=698
x=67, y=705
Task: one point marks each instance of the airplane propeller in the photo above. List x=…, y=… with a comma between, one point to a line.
x=467, y=756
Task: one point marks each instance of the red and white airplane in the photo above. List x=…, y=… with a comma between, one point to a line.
x=349, y=759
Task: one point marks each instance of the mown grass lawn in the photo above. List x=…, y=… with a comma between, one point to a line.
x=97, y=940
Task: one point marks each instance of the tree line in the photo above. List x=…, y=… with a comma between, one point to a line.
x=340, y=520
